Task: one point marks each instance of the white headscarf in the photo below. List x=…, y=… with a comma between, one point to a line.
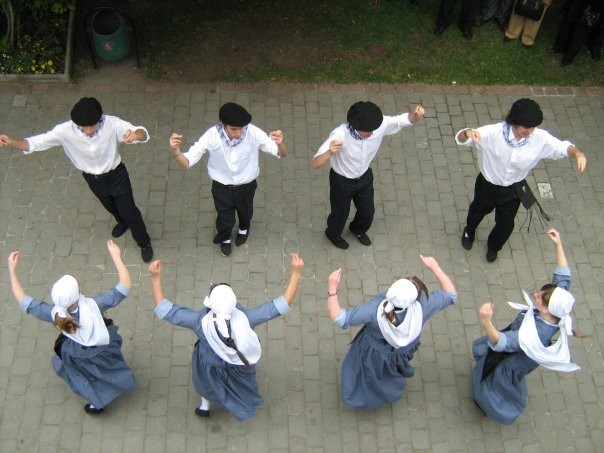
x=557, y=356
x=401, y=295
x=92, y=330
x=222, y=304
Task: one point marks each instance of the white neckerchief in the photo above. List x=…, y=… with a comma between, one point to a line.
x=554, y=357
x=92, y=330
x=245, y=338
x=406, y=331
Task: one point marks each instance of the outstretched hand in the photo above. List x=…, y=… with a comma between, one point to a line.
x=334, y=278
x=13, y=260
x=554, y=236
x=429, y=261
x=276, y=136
x=155, y=268
x=416, y=114
x=297, y=263
x=486, y=312
x=114, y=249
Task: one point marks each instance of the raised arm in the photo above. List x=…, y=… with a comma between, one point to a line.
x=158, y=292
x=277, y=137
x=13, y=260
x=444, y=280
x=179, y=157
x=137, y=135
x=20, y=143
x=333, y=301
x=416, y=114
x=578, y=155
x=335, y=146
x=122, y=270
x=560, y=255
x=297, y=264
x=486, y=319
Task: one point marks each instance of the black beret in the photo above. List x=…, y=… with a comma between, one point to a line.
x=87, y=112
x=525, y=112
x=364, y=116
x=234, y=115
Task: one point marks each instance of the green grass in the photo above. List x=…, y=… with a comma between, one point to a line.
x=348, y=41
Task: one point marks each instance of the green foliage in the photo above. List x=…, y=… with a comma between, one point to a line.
x=40, y=48
x=392, y=42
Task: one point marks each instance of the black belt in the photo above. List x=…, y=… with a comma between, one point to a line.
x=109, y=173
x=234, y=186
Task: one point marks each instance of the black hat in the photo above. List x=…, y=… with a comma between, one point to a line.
x=526, y=113
x=87, y=112
x=364, y=116
x=234, y=115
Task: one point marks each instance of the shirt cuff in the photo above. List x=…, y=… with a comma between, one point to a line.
x=25, y=302
x=340, y=318
x=122, y=289
x=163, y=308
x=459, y=142
x=281, y=305
x=501, y=344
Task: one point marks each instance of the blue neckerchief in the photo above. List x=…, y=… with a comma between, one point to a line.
x=506, y=136
x=354, y=133
x=225, y=138
x=98, y=129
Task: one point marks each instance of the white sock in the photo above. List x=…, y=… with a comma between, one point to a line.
x=228, y=241
x=205, y=404
x=242, y=231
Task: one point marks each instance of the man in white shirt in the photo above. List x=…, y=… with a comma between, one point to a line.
x=349, y=149
x=233, y=145
x=90, y=142
x=507, y=152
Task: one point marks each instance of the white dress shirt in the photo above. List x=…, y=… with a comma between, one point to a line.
x=504, y=164
x=97, y=154
x=353, y=160
x=232, y=165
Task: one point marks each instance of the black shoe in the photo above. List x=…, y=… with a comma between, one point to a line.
x=467, y=33
x=363, y=239
x=119, y=229
x=466, y=241
x=202, y=412
x=439, y=29
x=554, y=50
x=338, y=242
x=564, y=63
x=506, y=39
x=502, y=24
x=595, y=54
x=491, y=255
x=480, y=21
x=241, y=238
x=225, y=248
x=92, y=410
x=147, y=253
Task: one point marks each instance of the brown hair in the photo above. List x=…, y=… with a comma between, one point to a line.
x=67, y=325
x=421, y=288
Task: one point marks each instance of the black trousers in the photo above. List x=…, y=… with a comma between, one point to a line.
x=467, y=14
x=229, y=200
x=571, y=38
x=114, y=191
x=341, y=192
x=503, y=200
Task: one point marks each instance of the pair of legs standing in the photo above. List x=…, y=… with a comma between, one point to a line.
x=489, y=197
x=343, y=191
x=114, y=190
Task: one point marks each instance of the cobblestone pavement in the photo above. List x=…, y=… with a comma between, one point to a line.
x=424, y=183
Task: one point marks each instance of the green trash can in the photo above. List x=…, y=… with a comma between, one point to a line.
x=110, y=35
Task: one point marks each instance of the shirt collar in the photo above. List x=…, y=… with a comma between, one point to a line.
x=98, y=129
x=225, y=138
x=354, y=133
